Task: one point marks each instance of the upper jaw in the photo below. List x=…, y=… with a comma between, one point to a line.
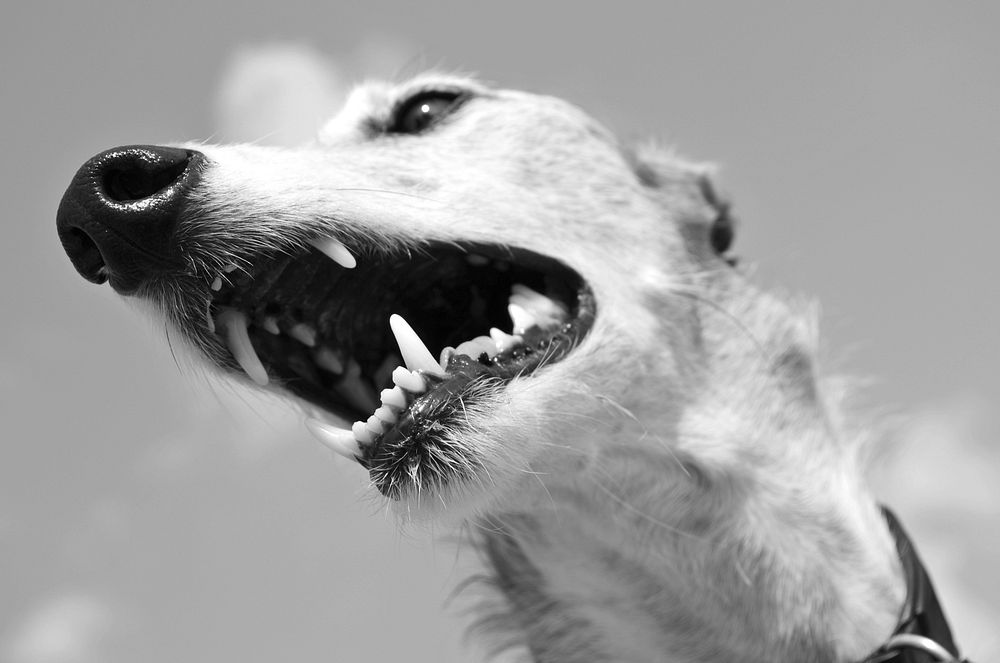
x=403, y=342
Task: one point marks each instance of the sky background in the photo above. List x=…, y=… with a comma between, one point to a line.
x=146, y=515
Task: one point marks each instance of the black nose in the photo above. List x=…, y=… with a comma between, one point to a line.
x=117, y=219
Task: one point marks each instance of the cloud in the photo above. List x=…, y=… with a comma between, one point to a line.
x=67, y=629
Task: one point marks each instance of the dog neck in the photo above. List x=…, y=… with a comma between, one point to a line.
x=734, y=525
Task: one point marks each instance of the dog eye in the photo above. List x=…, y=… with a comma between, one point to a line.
x=422, y=111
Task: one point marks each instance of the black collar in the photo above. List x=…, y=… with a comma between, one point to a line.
x=922, y=635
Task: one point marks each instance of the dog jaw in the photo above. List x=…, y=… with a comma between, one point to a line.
x=645, y=495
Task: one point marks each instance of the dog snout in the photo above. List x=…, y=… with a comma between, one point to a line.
x=117, y=219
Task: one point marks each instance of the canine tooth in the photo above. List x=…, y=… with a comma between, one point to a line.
x=409, y=381
x=351, y=387
x=217, y=283
x=374, y=424
x=393, y=398
x=522, y=320
x=478, y=346
x=362, y=434
x=209, y=320
x=416, y=356
x=327, y=359
x=336, y=252
x=339, y=440
x=504, y=340
x=229, y=269
x=270, y=324
x=386, y=415
x=477, y=260
x=235, y=324
x=304, y=334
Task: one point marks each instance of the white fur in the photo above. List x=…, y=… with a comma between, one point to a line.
x=678, y=488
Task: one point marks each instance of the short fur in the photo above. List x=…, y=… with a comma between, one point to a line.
x=681, y=487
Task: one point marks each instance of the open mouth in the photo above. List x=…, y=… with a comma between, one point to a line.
x=399, y=342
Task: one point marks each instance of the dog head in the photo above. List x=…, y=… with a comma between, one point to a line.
x=490, y=272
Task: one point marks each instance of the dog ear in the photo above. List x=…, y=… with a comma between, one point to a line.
x=689, y=191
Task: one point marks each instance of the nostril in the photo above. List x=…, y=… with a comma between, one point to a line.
x=117, y=219
x=86, y=256
x=140, y=179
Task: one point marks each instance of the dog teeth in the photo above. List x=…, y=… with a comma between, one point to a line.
x=545, y=311
x=523, y=321
x=385, y=414
x=328, y=360
x=217, y=284
x=336, y=252
x=394, y=398
x=304, y=334
x=361, y=433
x=270, y=324
x=503, y=340
x=416, y=356
x=235, y=324
x=410, y=381
x=351, y=387
x=229, y=269
x=375, y=425
x=478, y=346
x=339, y=440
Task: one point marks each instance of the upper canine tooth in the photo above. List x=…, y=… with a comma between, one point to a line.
x=235, y=324
x=230, y=268
x=341, y=441
x=522, y=320
x=415, y=353
x=336, y=252
x=217, y=283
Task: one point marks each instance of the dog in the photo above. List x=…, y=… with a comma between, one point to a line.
x=542, y=336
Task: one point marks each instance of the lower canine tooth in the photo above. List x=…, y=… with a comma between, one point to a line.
x=415, y=353
x=270, y=325
x=235, y=324
x=217, y=284
x=341, y=441
x=408, y=380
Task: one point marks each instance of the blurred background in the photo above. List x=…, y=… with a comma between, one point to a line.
x=146, y=515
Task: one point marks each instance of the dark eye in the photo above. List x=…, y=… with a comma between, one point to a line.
x=419, y=112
